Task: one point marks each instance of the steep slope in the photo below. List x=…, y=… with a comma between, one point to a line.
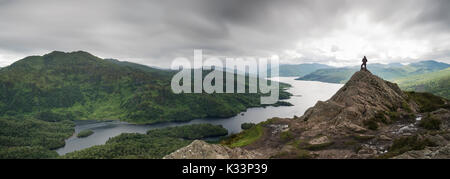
x=437, y=82
x=78, y=85
x=359, y=100
x=367, y=118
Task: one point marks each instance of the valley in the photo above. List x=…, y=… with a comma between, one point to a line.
x=80, y=86
x=42, y=96
x=105, y=108
x=305, y=94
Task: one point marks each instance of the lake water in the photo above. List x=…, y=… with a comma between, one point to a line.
x=305, y=95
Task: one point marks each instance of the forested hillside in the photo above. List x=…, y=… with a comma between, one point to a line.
x=28, y=138
x=78, y=85
x=437, y=83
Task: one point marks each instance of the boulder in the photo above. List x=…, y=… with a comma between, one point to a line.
x=199, y=149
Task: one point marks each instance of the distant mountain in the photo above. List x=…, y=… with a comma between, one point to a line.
x=428, y=66
x=437, y=82
x=389, y=71
x=78, y=85
x=332, y=75
x=296, y=70
x=290, y=70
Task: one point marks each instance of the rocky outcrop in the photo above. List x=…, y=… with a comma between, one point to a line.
x=201, y=150
x=360, y=99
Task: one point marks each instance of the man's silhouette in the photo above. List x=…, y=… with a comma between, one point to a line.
x=364, y=65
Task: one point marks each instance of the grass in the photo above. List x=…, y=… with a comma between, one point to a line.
x=427, y=102
x=372, y=124
x=393, y=116
x=244, y=138
x=286, y=135
x=406, y=107
x=304, y=145
x=430, y=122
x=406, y=144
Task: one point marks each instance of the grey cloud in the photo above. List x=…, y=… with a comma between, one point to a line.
x=154, y=32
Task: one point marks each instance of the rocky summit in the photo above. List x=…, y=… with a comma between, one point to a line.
x=367, y=118
x=362, y=98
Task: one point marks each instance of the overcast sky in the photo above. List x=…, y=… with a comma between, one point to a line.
x=334, y=32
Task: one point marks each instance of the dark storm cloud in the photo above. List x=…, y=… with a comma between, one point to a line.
x=155, y=32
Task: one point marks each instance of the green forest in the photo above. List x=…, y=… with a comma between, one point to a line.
x=29, y=138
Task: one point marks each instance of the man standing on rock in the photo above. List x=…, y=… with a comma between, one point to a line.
x=364, y=65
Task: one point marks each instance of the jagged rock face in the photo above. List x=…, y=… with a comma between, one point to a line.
x=201, y=150
x=366, y=89
x=359, y=99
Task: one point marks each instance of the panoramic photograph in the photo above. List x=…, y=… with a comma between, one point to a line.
x=224, y=79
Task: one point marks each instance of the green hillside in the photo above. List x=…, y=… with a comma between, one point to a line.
x=437, y=82
x=78, y=85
